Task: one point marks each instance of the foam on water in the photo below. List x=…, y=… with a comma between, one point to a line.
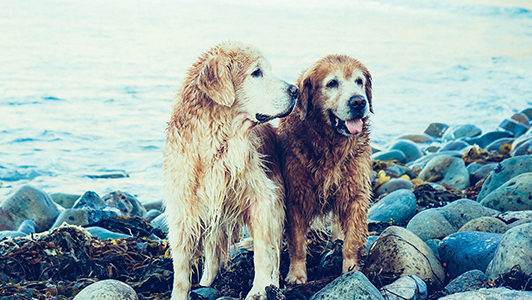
x=86, y=87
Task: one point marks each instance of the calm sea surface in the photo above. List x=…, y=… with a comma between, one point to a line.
x=86, y=87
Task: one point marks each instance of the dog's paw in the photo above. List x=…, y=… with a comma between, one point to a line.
x=296, y=277
x=256, y=294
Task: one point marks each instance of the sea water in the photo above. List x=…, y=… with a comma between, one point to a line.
x=86, y=87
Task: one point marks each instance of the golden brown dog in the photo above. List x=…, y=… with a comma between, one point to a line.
x=215, y=177
x=326, y=159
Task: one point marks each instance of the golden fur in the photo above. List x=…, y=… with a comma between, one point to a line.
x=215, y=177
x=326, y=167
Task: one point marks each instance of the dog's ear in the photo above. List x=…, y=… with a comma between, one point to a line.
x=304, y=102
x=215, y=79
x=368, y=90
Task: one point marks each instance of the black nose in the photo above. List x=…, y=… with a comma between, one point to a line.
x=293, y=91
x=357, y=102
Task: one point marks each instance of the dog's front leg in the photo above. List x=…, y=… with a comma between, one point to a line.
x=297, y=230
x=182, y=250
x=355, y=228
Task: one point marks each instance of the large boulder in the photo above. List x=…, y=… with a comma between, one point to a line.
x=447, y=170
x=514, y=194
x=506, y=170
x=399, y=207
x=352, y=285
x=515, y=249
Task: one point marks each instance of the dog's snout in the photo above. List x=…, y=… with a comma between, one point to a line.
x=293, y=91
x=357, y=102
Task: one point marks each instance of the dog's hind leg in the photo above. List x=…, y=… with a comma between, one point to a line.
x=183, y=245
x=211, y=264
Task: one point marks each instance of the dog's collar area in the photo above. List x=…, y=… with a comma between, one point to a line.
x=349, y=128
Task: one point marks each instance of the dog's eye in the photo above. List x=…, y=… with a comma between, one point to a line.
x=257, y=73
x=332, y=84
x=359, y=81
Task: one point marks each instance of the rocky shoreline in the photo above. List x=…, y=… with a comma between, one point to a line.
x=451, y=219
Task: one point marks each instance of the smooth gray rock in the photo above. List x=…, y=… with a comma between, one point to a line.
x=491, y=294
x=485, y=224
x=522, y=139
x=399, y=252
x=514, y=194
x=488, y=138
x=409, y=287
x=91, y=200
x=514, y=249
x=65, y=200
x=422, y=162
x=108, y=289
x=521, y=118
x=437, y=223
x=393, y=185
x=352, y=285
x=158, y=205
x=207, y=292
x=514, y=127
x=390, y=155
x=436, y=129
x=409, y=149
x=417, y=138
x=397, y=171
x=459, y=131
x=468, y=250
x=496, y=145
x=11, y=234
x=27, y=227
x=104, y=234
x=399, y=207
x=469, y=281
x=28, y=203
x=126, y=203
x=516, y=218
x=152, y=214
x=505, y=170
x=528, y=113
x=84, y=216
x=456, y=145
x=478, y=171
x=524, y=148
x=160, y=222
x=451, y=170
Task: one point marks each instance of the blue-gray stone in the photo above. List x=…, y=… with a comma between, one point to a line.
x=152, y=214
x=27, y=227
x=433, y=245
x=436, y=129
x=459, y=131
x=206, y=292
x=515, y=248
x=397, y=171
x=514, y=194
x=514, y=127
x=126, y=203
x=455, y=145
x=468, y=250
x=408, y=287
x=65, y=200
x=91, y=200
x=505, y=170
x=399, y=207
x=500, y=293
x=478, y=171
x=524, y=148
x=488, y=138
x=469, y=281
x=158, y=205
x=409, y=149
x=485, y=224
x=390, y=155
x=417, y=138
x=104, y=234
x=422, y=162
x=84, y=216
x=528, y=113
x=160, y=222
x=351, y=285
x=393, y=185
x=496, y=145
x=521, y=118
x=451, y=170
x=11, y=234
x=108, y=289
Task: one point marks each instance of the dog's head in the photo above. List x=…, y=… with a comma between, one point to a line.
x=337, y=89
x=239, y=76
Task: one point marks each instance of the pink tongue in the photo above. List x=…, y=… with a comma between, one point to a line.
x=354, y=126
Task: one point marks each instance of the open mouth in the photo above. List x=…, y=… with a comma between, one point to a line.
x=349, y=127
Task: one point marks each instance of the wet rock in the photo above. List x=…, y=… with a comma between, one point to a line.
x=104, y=234
x=459, y=131
x=398, y=171
x=497, y=144
x=409, y=287
x=152, y=214
x=514, y=194
x=485, y=224
x=158, y=205
x=436, y=129
x=455, y=145
x=390, y=155
x=433, y=245
x=479, y=171
x=491, y=294
x=65, y=200
x=488, y=138
x=108, y=289
x=521, y=118
x=516, y=128
x=422, y=162
x=516, y=218
x=409, y=149
x=528, y=113
x=109, y=175
x=505, y=170
x=352, y=285
x=394, y=185
x=417, y=138
x=451, y=170
x=206, y=292
x=469, y=250
x=160, y=222
x=84, y=216
x=126, y=203
x=399, y=252
x=28, y=203
x=524, y=148
x=443, y=221
x=91, y=200
x=27, y=227
x=469, y=281
x=399, y=207
x=515, y=248
x=11, y=234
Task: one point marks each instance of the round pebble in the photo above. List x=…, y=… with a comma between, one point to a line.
x=108, y=289
x=485, y=224
x=447, y=170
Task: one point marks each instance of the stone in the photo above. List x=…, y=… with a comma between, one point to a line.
x=468, y=250
x=351, y=285
x=396, y=171
x=459, y=131
x=436, y=129
x=451, y=170
x=126, y=203
x=524, y=148
x=514, y=194
x=521, y=118
x=158, y=205
x=409, y=149
x=409, y=287
x=488, y=138
x=528, y=113
x=505, y=170
x=516, y=218
x=104, y=234
x=108, y=289
x=455, y=145
x=522, y=139
x=28, y=203
x=160, y=222
x=515, y=248
x=393, y=185
x=479, y=171
x=84, y=216
x=417, y=138
x=485, y=224
x=152, y=214
x=207, y=293
x=422, y=162
x=27, y=227
x=65, y=200
x=491, y=294
x=390, y=155
x=11, y=234
x=91, y=200
x=516, y=128
x=437, y=223
x=469, y=281
x=399, y=207
x=498, y=145
x=399, y=252
x=433, y=245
